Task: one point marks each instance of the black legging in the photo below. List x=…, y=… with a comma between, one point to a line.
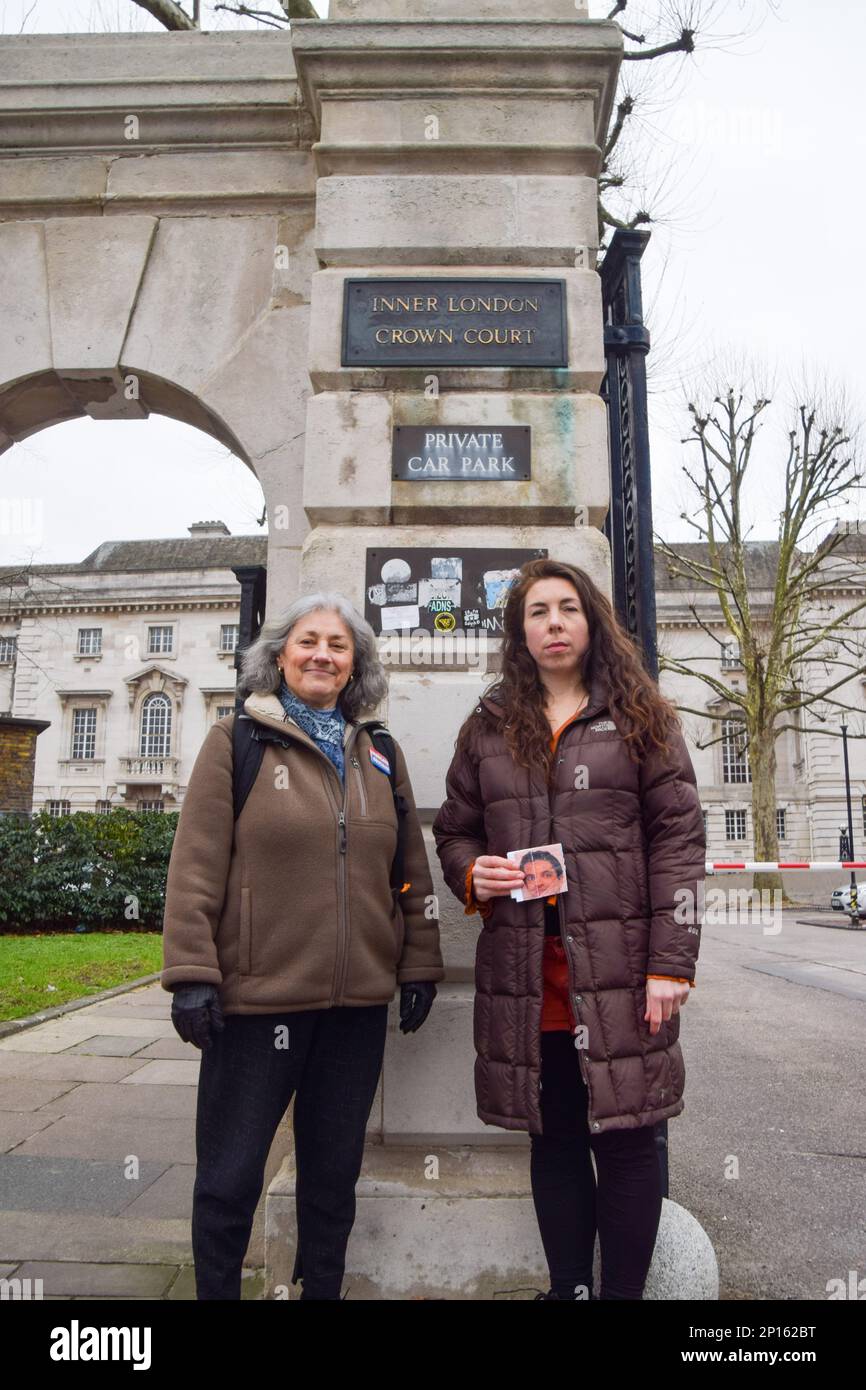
x=627, y=1205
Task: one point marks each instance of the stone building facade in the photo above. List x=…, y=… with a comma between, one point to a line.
x=128, y=655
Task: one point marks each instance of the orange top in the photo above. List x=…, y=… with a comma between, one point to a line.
x=485, y=909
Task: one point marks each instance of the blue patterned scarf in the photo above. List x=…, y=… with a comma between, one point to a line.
x=325, y=726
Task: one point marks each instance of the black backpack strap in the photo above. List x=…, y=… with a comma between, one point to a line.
x=247, y=754
x=380, y=735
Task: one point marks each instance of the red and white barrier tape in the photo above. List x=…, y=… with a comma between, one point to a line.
x=751, y=866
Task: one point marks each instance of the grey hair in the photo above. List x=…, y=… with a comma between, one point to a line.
x=259, y=673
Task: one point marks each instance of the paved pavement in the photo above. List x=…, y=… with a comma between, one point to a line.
x=769, y=1153
x=84, y=1096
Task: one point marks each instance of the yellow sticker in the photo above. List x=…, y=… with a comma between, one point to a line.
x=444, y=622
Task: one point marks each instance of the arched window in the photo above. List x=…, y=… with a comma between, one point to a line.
x=155, y=739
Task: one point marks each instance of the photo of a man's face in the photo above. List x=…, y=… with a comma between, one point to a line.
x=543, y=875
x=543, y=867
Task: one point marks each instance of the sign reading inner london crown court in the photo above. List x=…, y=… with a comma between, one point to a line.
x=461, y=323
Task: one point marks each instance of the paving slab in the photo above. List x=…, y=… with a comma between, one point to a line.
x=16, y=1127
x=73, y=1279
x=66, y=1066
x=109, y=1046
x=130, y=1026
x=170, y=1050
x=170, y=1196
x=17, y=1063
x=26, y=1093
x=165, y=1074
x=29, y=1182
x=111, y=1100
x=45, y=1039
x=183, y=1287
x=93, y=1238
x=103, y=1139
x=114, y=1009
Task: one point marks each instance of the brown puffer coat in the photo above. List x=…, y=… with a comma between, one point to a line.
x=632, y=835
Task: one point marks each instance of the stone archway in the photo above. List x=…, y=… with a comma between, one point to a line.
x=156, y=228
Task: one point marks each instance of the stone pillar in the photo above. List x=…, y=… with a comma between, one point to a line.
x=17, y=762
x=457, y=139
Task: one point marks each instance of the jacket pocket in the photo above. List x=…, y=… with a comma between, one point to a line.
x=244, y=951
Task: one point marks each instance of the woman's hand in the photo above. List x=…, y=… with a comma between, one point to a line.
x=494, y=877
x=663, y=998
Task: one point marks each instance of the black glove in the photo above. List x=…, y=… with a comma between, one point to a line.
x=196, y=1013
x=415, y=1002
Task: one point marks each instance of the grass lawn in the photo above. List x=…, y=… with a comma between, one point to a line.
x=40, y=972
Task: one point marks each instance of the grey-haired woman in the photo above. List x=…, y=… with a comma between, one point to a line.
x=284, y=938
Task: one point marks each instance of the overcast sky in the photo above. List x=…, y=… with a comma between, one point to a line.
x=758, y=148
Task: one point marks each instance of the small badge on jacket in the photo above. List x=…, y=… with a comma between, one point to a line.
x=380, y=761
x=602, y=727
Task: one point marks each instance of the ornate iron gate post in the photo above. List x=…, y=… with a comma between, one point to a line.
x=253, y=580
x=628, y=526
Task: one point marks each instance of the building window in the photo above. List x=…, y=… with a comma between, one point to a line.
x=223, y=710
x=731, y=654
x=89, y=641
x=155, y=740
x=229, y=637
x=84, y=733
x=735, y=825
x=7, y=649
x=159, y=640
x=103, y=808
x=781, y=825
x=57, y=808
x=735, y=757
x=150, y=805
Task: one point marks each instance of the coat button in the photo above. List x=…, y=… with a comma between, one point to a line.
x=569, y=938
x=578, y=999
x=595, y=1124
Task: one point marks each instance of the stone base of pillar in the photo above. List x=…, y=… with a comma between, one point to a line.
x=468, y=1233
x=460, y=1224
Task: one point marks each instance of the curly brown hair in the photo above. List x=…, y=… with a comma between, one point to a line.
x=641, y=713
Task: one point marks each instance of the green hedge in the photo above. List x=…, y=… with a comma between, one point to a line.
x=85, y=870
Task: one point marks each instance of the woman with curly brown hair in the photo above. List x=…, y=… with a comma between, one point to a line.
x=578, y=995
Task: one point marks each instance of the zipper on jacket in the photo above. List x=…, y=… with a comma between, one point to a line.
x=344, y=916
x=584, y=1071
x=342, y=959
x=360, y=781
x=344, y=859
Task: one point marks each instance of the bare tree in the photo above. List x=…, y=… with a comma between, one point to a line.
x=798, y=650
x=173, y=16
x=660, y=37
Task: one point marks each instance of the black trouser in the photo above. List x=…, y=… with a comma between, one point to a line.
x=246, y=1081
x=626, y=1207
